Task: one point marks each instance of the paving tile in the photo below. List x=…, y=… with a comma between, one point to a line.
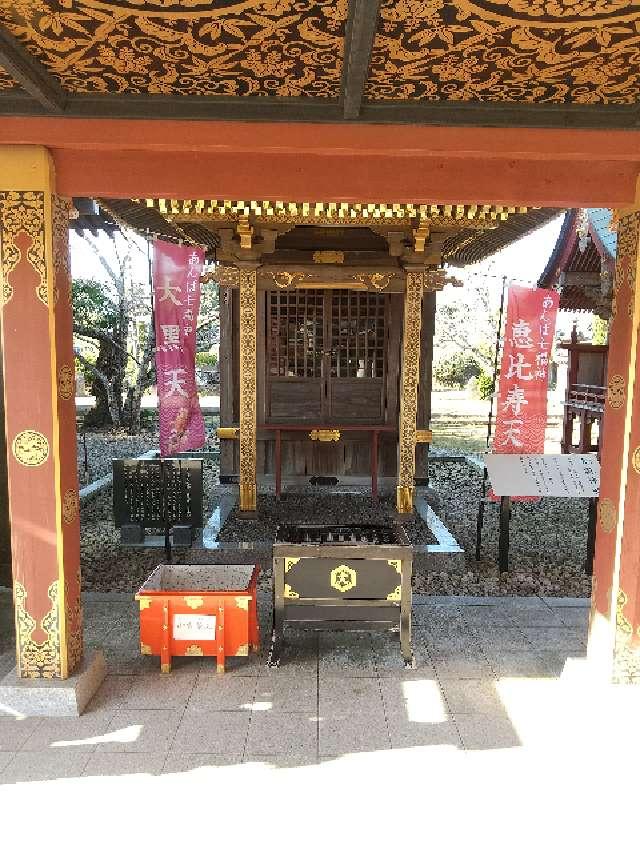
x=281, y=761
x=69, y=734
x=274, y=733
x=140, y=731
x=419, y=700
x=535, y=617
x=213, y=732
x=5, y=759
x=216, y=692
x=462, y=666
x=554, y=639
x=553, y=663
x=41, y=766
x=504, y=637
x=576, y=617
x=405, y=733
x=7, y=662
x=183, y=763
x=508, y=664
x=124, y=763
x=472, y=696
x=346, y=653
x=349, y=695
x=14, y=732
x=111, y=694
x=486, y=731
x=296, y=694
x=344, y=733
x=390, y=664
x=489, y=615
x=160, y=691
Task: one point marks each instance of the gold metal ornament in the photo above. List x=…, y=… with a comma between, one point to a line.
x=144, y=603
x=328, y=257
x=194, y=651
x=242, y=651
x=343, y=578
x=635, y=460
x=65, y=382
x=324, y=435
x=616, y=391
x=145, y=649
x=607, y=514
x=248, y=436
x=194, y=601
x=289, y=562
x=411, y=330
x=30, y=448
x=70, y=506
x=396, y=595
x=289, y=592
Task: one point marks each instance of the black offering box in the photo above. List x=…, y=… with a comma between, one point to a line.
x=342, y=576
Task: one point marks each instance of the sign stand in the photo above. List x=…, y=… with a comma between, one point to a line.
x=503, y=541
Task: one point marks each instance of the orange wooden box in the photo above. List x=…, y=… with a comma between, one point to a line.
x=197, y=611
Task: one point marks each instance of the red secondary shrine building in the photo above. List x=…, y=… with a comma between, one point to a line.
x=446, y=110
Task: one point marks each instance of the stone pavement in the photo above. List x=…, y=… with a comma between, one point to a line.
x=497, y=718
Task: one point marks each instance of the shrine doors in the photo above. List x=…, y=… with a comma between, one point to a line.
x=328, y=356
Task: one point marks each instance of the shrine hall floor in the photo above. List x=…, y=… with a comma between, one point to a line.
x=497, y=715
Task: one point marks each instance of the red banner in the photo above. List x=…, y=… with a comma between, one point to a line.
x=521, y=417
x=176, y=287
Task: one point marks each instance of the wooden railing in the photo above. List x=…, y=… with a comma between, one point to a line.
x=585, y=403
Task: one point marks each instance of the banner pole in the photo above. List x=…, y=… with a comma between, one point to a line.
x=496, y=358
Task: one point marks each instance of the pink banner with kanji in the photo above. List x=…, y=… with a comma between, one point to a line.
x=521, y=417
x=176, y=288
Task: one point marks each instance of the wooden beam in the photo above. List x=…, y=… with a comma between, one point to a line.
x=30, y=73
x=361, y=30
x=327, y=111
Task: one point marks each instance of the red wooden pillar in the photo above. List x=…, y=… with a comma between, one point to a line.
x=614, y=632
x=39, y=386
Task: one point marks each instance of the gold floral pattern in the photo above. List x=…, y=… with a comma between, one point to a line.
x=30, y=448
x=38, y=660
x=21, y=213
x=607, y=515
x=248, y=287
x=6, y=81
x=538, y=51
x=616, y=391
x=409, y=389
x=250, y=47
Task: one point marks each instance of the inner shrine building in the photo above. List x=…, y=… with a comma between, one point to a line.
x=337, y=155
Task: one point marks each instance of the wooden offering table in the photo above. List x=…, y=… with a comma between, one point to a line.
x=194, y=611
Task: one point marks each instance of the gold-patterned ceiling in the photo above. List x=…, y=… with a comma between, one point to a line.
x=537, y=51
x=6, y=81
x=567, y=52
x=285, y=48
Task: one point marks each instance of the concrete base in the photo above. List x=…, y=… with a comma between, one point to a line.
x=54, y=697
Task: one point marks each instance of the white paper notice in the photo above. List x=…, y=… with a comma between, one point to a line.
x=187, y=626
x=562, y=475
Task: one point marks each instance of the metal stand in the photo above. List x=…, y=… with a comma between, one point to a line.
x=591, y=535
x=496, y=359
x=503, y=541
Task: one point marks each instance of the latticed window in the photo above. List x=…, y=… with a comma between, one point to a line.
x=295, y=333
x=357, y=334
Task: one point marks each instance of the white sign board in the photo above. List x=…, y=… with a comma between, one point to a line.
x=561, y=475
x=191, y=626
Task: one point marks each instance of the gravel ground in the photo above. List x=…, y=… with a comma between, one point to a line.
x=548, y=537
x=548, y=540
x=323, y=507
x=102, y=447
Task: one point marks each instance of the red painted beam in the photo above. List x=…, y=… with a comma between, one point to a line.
x=303, y=162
